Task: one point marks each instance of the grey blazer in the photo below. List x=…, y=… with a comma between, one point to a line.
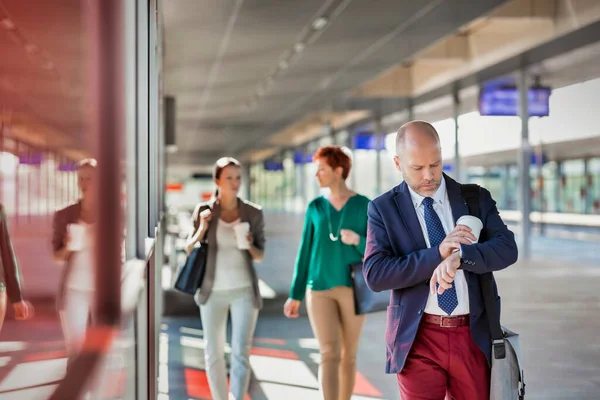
x=249, y=212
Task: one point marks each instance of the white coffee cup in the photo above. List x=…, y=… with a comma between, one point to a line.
x=472, y=222
x=77, y=233
x=241, y=232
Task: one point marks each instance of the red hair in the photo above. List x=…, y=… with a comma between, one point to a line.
x=335, y=157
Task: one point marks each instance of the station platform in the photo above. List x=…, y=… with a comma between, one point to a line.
x=551, y=300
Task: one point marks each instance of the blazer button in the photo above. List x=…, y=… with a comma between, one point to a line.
x=427, y=282
x=420, y=312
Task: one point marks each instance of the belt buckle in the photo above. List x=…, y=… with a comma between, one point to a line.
x=442, y=318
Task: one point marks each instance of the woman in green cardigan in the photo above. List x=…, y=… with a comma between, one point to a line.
x=334, y=235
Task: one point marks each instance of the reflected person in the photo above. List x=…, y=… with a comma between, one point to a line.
x=10, y=283
x=72, y=245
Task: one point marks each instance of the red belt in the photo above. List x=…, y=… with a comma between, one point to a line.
x=447, y=322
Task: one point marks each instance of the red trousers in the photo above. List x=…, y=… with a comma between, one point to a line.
x=444, y=363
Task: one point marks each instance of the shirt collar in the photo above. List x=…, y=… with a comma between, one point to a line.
x=438, y=197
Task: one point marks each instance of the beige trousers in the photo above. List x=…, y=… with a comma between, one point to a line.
x=337, y=329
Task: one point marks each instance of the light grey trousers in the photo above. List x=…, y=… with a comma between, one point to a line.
x=214, y=324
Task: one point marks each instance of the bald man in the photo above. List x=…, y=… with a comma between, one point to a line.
x=437, y=336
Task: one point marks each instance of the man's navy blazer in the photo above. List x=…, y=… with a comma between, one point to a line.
x=397, y=259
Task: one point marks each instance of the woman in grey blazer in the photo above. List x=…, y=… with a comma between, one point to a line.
x=230, y=281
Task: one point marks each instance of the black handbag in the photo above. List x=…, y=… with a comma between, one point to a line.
x=191, y=273
x=365, y=300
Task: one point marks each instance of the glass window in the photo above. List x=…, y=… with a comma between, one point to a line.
x=572, y=186
x=550, y=186
x=495, y=182
x=365, y=173
x=594, y=185
x=390, y=176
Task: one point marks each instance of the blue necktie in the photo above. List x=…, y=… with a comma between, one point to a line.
x=448, y=300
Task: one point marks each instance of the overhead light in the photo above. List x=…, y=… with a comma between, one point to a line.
x=298, y=47
x=283, y=64
x=319, y=23
x=8, y=24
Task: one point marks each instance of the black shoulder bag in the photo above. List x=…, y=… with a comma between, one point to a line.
x=191, y=273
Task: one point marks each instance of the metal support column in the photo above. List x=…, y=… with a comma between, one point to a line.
x=524, y=161
x=350, y=145
x=301, y=181
x=153, y=122
x=456, y=114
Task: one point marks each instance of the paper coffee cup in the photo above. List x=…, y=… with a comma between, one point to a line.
x=77, y=234
x=241, y=231
x=472, y=222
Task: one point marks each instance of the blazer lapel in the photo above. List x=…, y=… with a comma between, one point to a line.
x=215, y=211
x=408, y=215
x=457, y=204
x=242, y=211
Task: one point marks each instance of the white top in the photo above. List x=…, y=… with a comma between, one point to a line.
x=230, y=271
x=81, y=275
x=441, y=205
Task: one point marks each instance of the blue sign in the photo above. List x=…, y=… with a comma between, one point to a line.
x=31, y=159
x=301, y=158
x=504, y=101
x=447, y=167
x=368, y=142
x=273, y=166
x=537, y=158
x=67, y=167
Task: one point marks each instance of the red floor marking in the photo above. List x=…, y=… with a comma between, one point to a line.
x=363, y=387
x=279, y=342
x=46, y=355
x=277, y=353
x=196, y=384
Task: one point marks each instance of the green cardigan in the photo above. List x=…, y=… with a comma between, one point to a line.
x=321, y=263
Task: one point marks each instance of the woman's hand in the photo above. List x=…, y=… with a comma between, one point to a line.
x=350, y=237
x=205, y=217
x=23, y=310
x=291, y=307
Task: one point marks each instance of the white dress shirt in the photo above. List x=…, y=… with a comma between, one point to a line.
x=441, y=205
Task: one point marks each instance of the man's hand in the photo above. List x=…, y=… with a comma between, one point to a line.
x=444, y=274
x=23, y=310
x=460, y=235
